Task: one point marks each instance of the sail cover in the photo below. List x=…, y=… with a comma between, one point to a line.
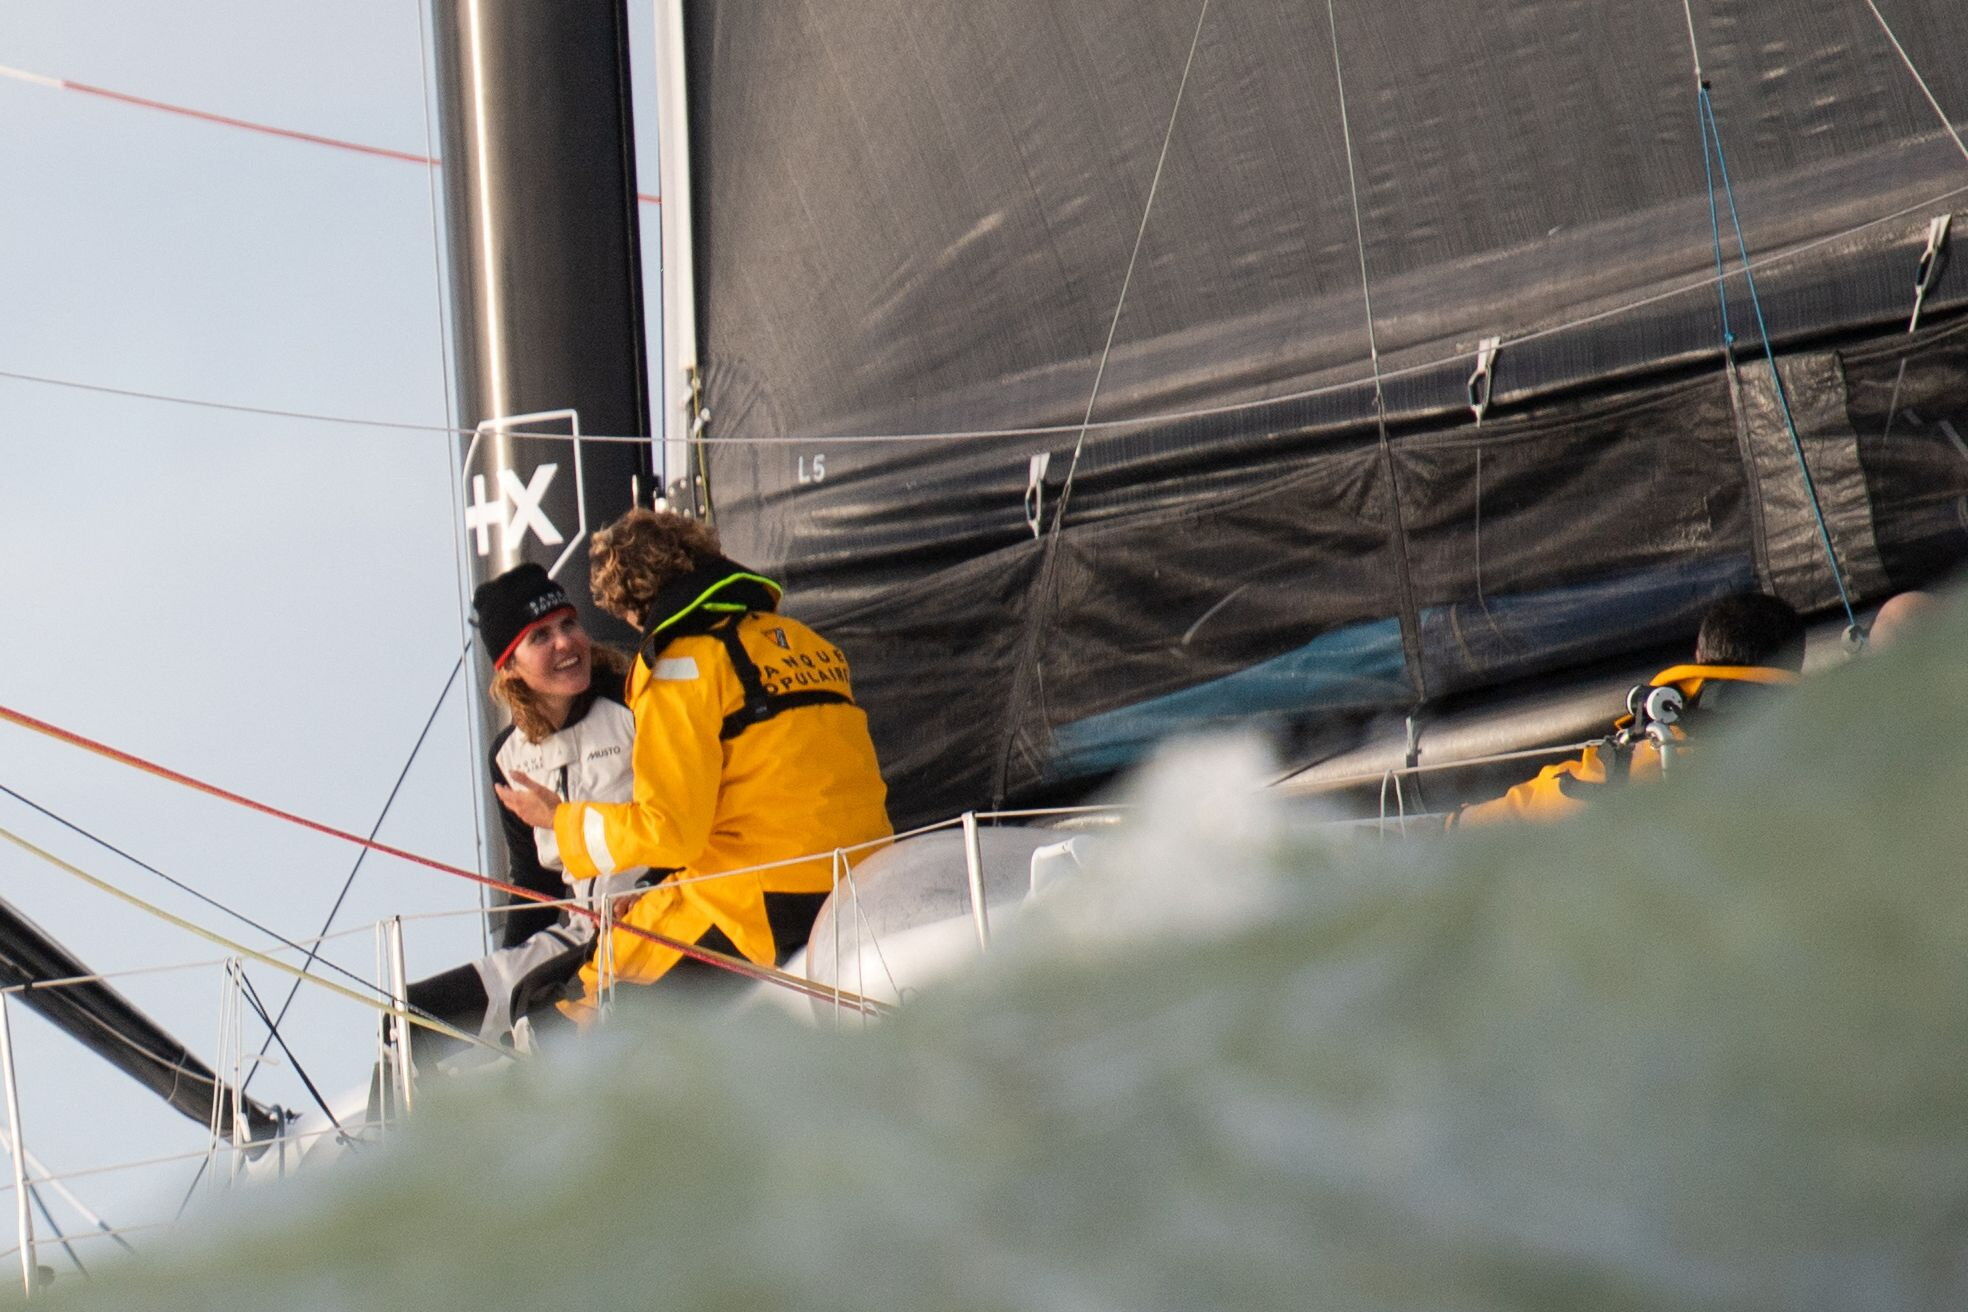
x=1094, y=369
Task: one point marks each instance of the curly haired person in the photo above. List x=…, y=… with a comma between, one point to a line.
x=752, y=762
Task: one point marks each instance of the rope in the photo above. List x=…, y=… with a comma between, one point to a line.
x=1947, y=124
x=174, y=1159
x=1919, y=81
x=178, y=884
x=1712, y=135
x=116, y=1234
x=1495, y=758
x=1127, y=279
x=236, y=949
x=736, y=965
x=1160, y=418
x=35, y=1193
x=1045, y=585
x=244, y=124
x=273, y=1031
x=293, y=990
x=1404, y=581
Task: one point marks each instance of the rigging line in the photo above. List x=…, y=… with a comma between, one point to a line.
x=253, y=1000
x=67, y=1195
x=1770, y=261
x=1776, y=378
x=874, y=939
x=1694, y=47
x=269, y=412
x=104, y=1234
x=1359, y=228
x=1715, y=232
x=34, y=1194
x=710, y=956
x=297, y=945
x=178, y=884
x=107, y=976
x=1410, y=615
x=1919, y=81
x=314, y=950
x=179, y=1072
x=236, y=949
x=1127, y=279
x=173, y=1159
x=1495, y=758
x=1893, y=406
x=1030, y=674
x=428, y=161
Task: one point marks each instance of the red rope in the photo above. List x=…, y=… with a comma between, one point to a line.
x=268, y=129
x=144, y=102
x=737, y=965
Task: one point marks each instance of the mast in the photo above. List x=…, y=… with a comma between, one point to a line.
x=546, y=291
x=680, y=392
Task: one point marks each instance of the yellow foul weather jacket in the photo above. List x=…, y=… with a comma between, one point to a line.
x=1565, y=789
x=749, y=750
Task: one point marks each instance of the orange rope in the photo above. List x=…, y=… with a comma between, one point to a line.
x=736, y=965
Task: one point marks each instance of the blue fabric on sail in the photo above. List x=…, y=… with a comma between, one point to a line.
x=1359, y=667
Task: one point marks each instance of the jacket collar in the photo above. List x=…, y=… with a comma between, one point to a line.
x=714, y=591
x=1690, y=678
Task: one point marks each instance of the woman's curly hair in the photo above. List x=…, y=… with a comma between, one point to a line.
x=528, y=709
x=631, y=559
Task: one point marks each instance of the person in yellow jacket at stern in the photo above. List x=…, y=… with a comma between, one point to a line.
x=1748, y=643
x=749, y=754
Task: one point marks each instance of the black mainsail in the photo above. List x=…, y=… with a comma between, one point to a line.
x=1275, y=360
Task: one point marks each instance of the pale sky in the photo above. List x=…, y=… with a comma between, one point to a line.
x=272, y=605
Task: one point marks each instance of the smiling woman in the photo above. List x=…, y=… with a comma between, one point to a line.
x=572, y=731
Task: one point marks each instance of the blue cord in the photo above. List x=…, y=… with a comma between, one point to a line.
x=1715, y=231
x=1712, y=131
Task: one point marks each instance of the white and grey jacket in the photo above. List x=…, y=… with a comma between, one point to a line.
x=590, y=758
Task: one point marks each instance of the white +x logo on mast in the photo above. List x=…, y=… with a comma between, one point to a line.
x=482, y=515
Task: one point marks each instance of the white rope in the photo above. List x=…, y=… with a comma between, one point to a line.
x=1162, y=418
x=1495, y=758
x=239, y=949
x=289, y=1138
x=1359, y=228
x=1694, y=50
x=41, y=1176
x=1919, y=81
x=117, y=1233
x=1113, y=325
x=302, y=944
x=862, y=926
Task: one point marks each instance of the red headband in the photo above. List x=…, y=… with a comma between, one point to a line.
x=520, y=637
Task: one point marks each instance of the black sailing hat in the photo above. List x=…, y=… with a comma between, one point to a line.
x=505, y=608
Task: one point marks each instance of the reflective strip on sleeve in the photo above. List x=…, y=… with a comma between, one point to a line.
x=594, y=831
x=675, y=667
